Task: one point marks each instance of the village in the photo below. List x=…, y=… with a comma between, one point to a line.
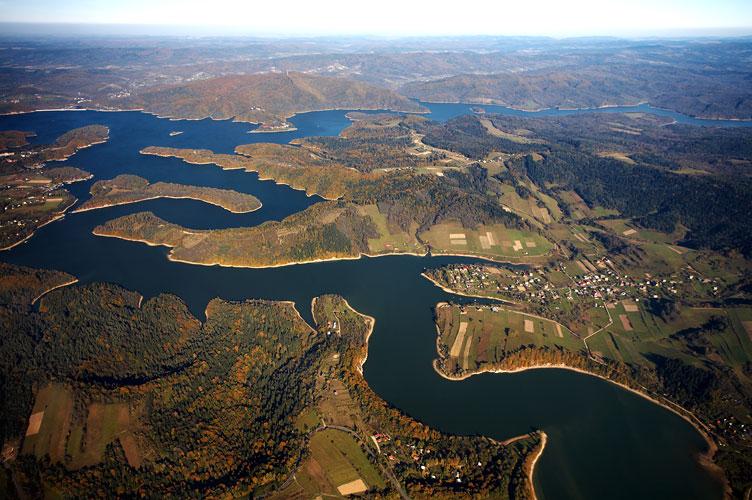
x=549, y=287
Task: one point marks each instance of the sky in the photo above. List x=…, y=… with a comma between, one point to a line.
x=396, y=17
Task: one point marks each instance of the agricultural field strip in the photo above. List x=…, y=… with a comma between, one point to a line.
x=584, y=339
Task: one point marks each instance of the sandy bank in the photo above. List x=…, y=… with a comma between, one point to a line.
x=530, y=467
x=61, y=285
x=84, y=208
x=706, y=458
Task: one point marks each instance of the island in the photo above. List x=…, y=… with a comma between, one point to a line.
x=270, y=128
x=251, y=392
x=125, y=189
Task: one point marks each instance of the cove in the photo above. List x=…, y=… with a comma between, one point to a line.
x=604, y=442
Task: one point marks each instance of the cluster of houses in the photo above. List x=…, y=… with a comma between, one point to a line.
x=732, y=429
x=420, y=456
x=605, y=284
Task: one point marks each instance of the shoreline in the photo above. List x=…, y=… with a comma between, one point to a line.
x=58, y=216
x=85, y=146
x=170, y=256
x=295, y=308
x=692, y=420
x=493, y=102
x=61, y=285
x=470, y=295
x=496, y=102
x=371, y=324
x=244, y=169
x=530, y=469
x=232, y=119
x=84, y=208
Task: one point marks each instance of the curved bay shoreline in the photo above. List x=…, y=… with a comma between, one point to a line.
x=705, y=459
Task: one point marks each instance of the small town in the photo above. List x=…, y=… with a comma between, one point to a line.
x=549, y=287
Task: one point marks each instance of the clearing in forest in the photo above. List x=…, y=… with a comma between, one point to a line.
x=49, y=423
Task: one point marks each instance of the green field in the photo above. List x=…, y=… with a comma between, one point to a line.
x=335, y=459
x=577, y=236
x=392, y=239
x=551, y=204
x=526, y=207
x=342, y=458
x=506, y=244
x=578, y=209
x=49, y=422
x=474, y=336
x=104, y=423
x=54, y=432
x=626, y=229
x=309, y=419
x=650, y=334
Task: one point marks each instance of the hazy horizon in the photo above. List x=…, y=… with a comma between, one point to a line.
x=72, y=29
x=388, y=18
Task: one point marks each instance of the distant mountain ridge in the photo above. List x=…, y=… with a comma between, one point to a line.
x=690, y=92
x=267, y=98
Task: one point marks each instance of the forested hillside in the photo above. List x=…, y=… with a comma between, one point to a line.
x=104, y=392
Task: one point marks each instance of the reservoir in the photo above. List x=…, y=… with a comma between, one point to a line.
x=604, y=442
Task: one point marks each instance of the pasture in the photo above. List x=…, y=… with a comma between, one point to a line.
x=336, y=466
x=492, y=241
x=56, y=432
x=473, y=336
x=49, y=422
x=392, y=238
x=649, y=334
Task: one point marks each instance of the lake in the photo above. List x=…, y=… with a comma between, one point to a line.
x=604, y=442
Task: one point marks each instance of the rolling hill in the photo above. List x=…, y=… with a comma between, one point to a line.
x=267, y=98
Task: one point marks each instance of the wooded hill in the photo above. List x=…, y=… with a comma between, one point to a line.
x=104, y=392
x=267, y=98
x=642, y=182
x=127, y=188
x=689, y=91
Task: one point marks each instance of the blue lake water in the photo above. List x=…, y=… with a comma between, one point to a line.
x=604, y=442
x=447, y=111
